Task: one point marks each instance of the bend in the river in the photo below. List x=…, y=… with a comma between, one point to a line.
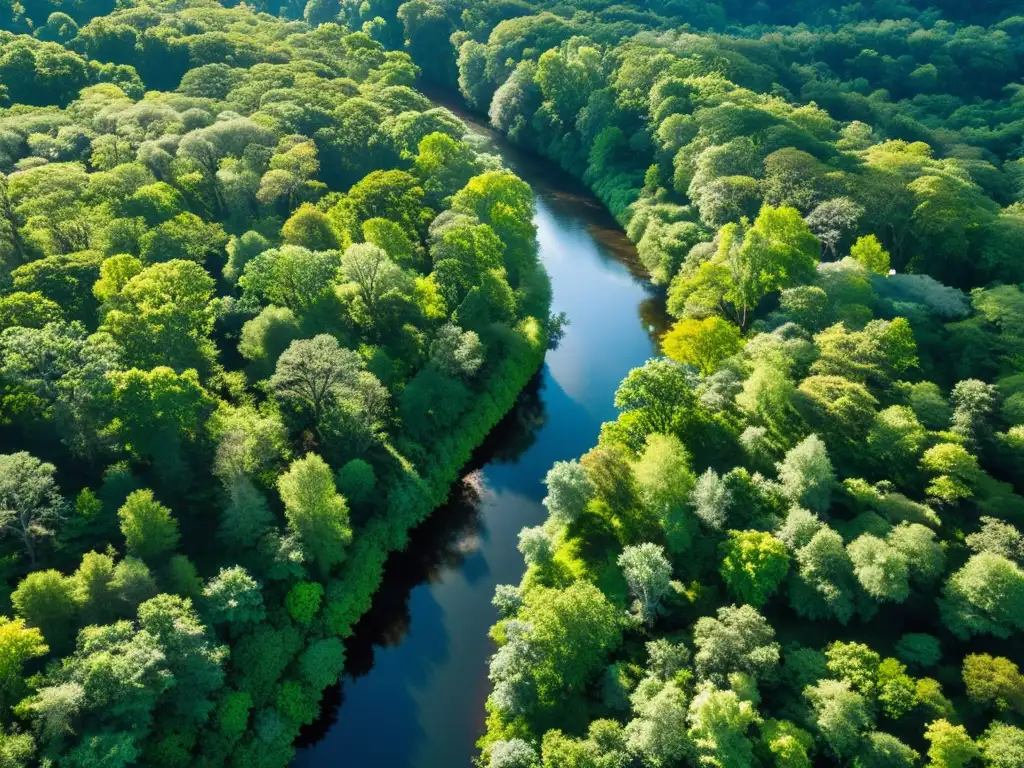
x=417, y=674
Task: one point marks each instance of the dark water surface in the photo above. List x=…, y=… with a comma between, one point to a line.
x=416, y=680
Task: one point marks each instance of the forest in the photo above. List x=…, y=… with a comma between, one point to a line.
x=258, y=303
x=800, y=543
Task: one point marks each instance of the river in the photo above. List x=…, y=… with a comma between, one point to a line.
x=416, y=679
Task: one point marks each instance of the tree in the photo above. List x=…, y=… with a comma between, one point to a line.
x=266, y=336
x=573, y=631
x=951, y=746
x=291, y=276
x=856, y=663
x=869, y=253
x=314, y=372
x=956, y=472
x=919, y=650
x=193, y=662
x=309, y=228
x=357, y=481
x=739, y=640
x=776, y=252
x=322, y=662
x=149, y=529
x=882, y=570
x=47, y=600
x=883, y=750
x=788, y=744
x=317, y=514
x=373, y=272
x=840, y=714
x=973, y=404
x=994, y=681
x=246, y=516
x=569, y=491
x=186, y=236
x=241, y=250
x=28, y=310
x=658, y=732
x=115, y=272
x=753, y=566
x=457, y=353
x=513, y=753
x=648, y=573
x=303, y=601
x=1002, y=745
x=536, y=546
x=703, y=343
x=926, y=560
x=825, y=584
x=806, y=474
x=234, y=597
x=661, y=396
x=665, y=482
x=711, y=499
x=94, y=588
x=719, y=721
x=30, y=502
x=133, y=583
x=161, y=317
x=999, y=538
x=18, y=644
x=986, y=596
x=396, y=243
x=833, y=220
x=444, y=166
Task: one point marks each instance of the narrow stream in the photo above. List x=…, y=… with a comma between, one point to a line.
x=417, y=674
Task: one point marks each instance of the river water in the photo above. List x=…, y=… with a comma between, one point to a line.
x=416, y=679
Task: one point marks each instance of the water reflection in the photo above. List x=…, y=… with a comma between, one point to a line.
x=417, y=674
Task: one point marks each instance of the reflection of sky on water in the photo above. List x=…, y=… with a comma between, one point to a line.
x=421, y=703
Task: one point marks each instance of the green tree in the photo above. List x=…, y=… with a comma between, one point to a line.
x=719, y=721
x=1002, y=745
x=665, y=482
x=94, y=588
x=825, y=584
x=739, y=640
x=950, y=745
x=150, y=530
x=30, y=502
x=569, y=491
x=315, y=373
x=753, y=566
x=648, y=573
x=317, y=514
x=881, y=569
x=573, y=630
x=291, y=276
x=806, y=474
x=703, y=343
x=869, y=253
x=841, y=715
x=234, y=597
x=47, y=600
x=161, y=317
x=660, y=395
x=994, y=681
x=18, y=645
x=883, y=750
x=986, y=596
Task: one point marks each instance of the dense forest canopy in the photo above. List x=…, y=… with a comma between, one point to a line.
x=251, y=276
x=800, y=542
x=258, y=303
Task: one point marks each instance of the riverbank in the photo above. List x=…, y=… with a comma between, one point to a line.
x=421, y=651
